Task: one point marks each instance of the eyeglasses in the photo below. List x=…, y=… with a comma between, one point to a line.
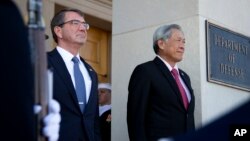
x=76, y=23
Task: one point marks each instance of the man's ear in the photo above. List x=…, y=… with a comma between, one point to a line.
x=160, y=44
x=58, y=31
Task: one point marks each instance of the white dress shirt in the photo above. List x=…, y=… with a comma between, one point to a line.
x=67, y=58
x=182, y=82
x=103, y=109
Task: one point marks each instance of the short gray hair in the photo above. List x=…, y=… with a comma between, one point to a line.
x=163, y=32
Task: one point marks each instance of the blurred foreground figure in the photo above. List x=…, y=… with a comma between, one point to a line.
x=17, y=97
x=224, y=128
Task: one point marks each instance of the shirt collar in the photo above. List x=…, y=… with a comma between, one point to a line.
x=66, y=55
x=168, y=65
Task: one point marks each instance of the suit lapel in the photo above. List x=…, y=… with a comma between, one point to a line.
x=188, y=84
x=93, y=86
x=171, y=80
x=61, y=69
x=185, y=79
x=168, y=76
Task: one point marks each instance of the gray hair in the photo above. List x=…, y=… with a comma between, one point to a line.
x=162, y=33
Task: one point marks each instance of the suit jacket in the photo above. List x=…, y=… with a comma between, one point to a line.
x=105, y=126
x=75, y=125
x=16, y=104
x=155, y=108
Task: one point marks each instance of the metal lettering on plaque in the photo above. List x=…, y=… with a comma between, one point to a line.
x=228, y=57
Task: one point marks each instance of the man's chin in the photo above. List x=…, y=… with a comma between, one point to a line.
x=179, y=59
x=81, y=43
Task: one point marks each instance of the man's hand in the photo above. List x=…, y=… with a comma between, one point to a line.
x=51, y=121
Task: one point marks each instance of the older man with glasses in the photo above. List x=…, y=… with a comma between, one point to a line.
x=75, y=82
x=161, y=100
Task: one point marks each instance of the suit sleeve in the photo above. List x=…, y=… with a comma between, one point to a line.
x=139, y=88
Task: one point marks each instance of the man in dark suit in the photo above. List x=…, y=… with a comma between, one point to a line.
x=161, y=102
x=104, y=90
x=80, y=118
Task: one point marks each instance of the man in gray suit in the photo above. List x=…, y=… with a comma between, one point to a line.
x=161, y=100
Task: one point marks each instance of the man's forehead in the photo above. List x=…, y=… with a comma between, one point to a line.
x=73, y=15
x=177, y=33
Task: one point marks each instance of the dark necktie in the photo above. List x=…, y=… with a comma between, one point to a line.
x=182, y=91
x=79, y=84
